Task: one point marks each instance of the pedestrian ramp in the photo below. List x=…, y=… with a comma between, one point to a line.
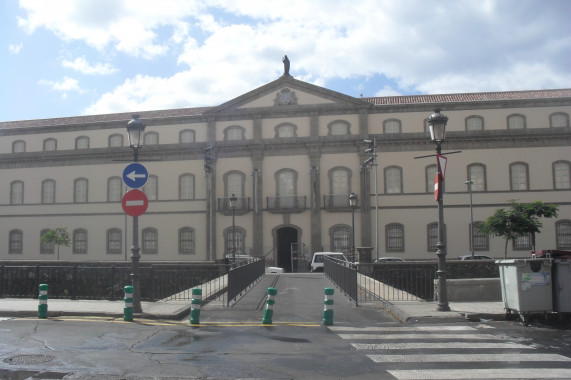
x=453, y=352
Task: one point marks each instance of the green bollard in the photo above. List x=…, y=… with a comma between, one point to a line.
x=43, y=301
x=328, y=306
x=128, y=310
x=195, y=306
x=269, y=312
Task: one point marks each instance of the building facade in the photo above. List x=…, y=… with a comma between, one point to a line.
x=291, y=153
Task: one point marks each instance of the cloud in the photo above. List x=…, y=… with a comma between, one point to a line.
x=64, y=86
x=226, y=47
x=15, y=49
x=80, y=64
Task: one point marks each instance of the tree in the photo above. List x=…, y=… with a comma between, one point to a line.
x=518, y=220
x=58, y=236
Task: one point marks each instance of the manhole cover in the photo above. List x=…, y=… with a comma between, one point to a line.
x=29, y=359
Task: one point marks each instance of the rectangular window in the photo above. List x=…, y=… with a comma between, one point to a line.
x=481, y=241
x=522, y=242
x=395, y=238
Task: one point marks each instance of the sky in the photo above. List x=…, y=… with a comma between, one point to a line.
x=61, y=58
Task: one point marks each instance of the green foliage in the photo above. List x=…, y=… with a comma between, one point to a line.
x=518, y=220
x=58, y=236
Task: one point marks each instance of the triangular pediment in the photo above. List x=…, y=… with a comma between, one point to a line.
x=287, y=93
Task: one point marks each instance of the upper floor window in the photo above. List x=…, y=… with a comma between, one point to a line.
x=430, y=172
x=286, y=182
x=394, y=237
x=186, y=241
x=474, y=123
x=114, y=189
x=48, y=191
x=481, y=240
x=17, y=193
x=559, y=119
x=234, y=182
x=151, y=188
x=339, y=128
x=286, y=130
x=393, y=180
x=392, y=126
x=477, y=174
x=151, y=138
x=19, y=146
x=340, y=236
x=46, y=247
x=563, y=234
x=115, y=140
x=80, y=187
x=114, y=241
x=519, y=176
x=516, y=122
x=50, y=145
x=186, y=186
x=339, y=181
x=150, y=240
x=187, y=136
x=80, y=240
x=234, y=132
x=82, y=142
x=16, y=242
x=561, y=177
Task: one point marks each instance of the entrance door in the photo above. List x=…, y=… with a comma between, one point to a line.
x=285, y=236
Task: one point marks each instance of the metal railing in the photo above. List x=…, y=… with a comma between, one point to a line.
x=242, y=277
x=395, y=283
x=344, y=275
x=288, y=202
x=242, y=205
x=336, y=201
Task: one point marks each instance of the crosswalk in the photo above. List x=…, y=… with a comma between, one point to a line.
x=453, y=352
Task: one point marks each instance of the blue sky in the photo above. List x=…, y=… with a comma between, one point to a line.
x=68, y=57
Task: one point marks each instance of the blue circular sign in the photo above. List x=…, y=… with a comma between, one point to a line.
x=135, y=175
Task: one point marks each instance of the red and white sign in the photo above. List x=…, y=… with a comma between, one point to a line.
x=135, y=202
x=441, y=164
x=436, y=186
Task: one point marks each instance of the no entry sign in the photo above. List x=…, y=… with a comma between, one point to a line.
x=135, y=203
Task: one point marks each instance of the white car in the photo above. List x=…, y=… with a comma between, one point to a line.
x=319, y=258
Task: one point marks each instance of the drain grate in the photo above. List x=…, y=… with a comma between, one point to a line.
x=29, y=359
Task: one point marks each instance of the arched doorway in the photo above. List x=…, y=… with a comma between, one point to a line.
x=285, y=237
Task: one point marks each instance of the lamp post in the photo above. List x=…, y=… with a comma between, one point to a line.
x=469, y=183
x=372, y=146
x=135, y=129
x=353, y=205
x=437, y=125
x=233, y=201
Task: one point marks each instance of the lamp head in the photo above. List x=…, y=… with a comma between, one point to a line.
x=437, y=125
x=135, y=129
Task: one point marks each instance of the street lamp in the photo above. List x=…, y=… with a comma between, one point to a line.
x=437, y=125
x=371, y=149
x=135, y=129
x=233, y=201
x=469, y=183
x=353, y=205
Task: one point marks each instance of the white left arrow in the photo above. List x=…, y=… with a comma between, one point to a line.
x=133, y=175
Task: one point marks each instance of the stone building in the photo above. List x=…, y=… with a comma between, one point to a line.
x=291, y=152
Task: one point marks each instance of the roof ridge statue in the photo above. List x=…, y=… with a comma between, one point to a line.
x=285, y=60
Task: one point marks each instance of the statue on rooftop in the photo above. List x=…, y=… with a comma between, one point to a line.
x=285, y=60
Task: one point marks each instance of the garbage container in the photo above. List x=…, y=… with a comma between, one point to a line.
x=562, y=285
x=526, y=286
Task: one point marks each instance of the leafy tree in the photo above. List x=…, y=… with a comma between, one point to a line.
x=518, y=220
x=58, y=236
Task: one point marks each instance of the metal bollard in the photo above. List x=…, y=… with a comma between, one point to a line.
x=269, y=312
x=43, y=301
x=195, y=306
x=128, y=310
x=328, y=306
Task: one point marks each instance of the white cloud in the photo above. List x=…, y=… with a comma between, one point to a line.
x=15, y=49
x=227, y=47
x=80, y=64
x=64, y=86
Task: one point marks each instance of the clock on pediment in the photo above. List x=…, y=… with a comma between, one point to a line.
x=285, y=97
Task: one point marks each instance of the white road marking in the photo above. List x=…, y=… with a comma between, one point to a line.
x=468, y=358
x=447, y=345
x=492, y=373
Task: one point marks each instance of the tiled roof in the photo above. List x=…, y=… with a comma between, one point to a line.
x=471, y=97
x=383, y=100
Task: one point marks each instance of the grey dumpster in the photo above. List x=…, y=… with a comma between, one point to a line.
x=562, y=285
x=526, y=286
